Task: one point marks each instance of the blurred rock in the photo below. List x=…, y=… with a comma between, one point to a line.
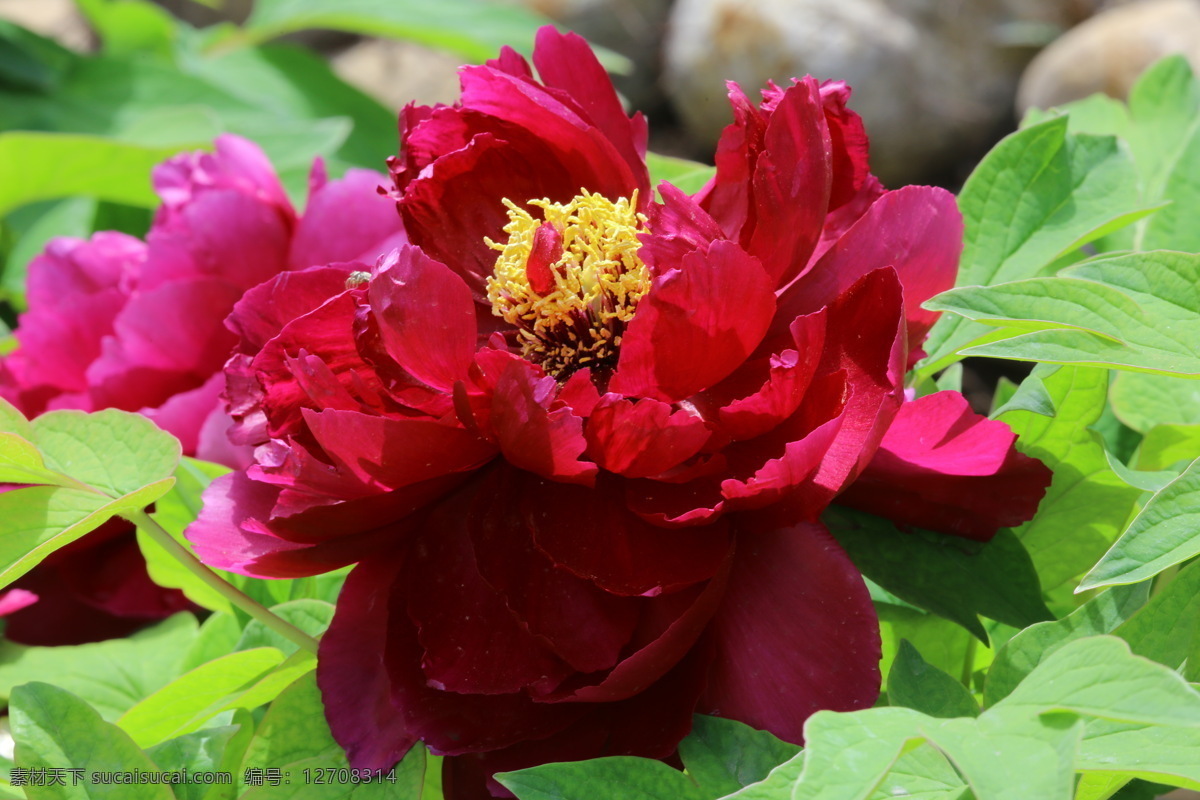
x=1108, y=52
x=54, y=19
x=934, y=79
x=633, y=28
x=397, y=73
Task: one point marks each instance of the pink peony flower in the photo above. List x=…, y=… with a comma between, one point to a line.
x=114, y=322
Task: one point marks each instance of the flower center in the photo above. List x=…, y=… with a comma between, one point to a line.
x=571, y=282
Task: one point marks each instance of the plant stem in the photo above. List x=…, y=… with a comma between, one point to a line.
x=968, y=667
x=226, y=589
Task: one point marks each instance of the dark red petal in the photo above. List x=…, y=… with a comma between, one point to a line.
x=641, y=438
x=796, y=633
x=583, y=624
x=590, y=533
x=791, y=183
x=679, y=226
x=451, y=723
x=391, y=453
x=849, y=140
x=473, y=644
x=262, y=312
x=533, y=437
x=728, y=196
x=595, y=162
x=943, y=467
x=916, y=229
x=780, y=476
x=671, y=625
x=565, y=62
x=355, y=687
x=648, y=725
x=425, y=316
x=866, y=347
x=474, y=181
x=346, y=220
x=696, y=326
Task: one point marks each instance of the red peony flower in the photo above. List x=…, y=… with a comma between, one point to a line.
x=577, y=440
x=117, y=322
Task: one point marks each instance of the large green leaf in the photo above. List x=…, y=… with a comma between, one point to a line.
x=952, y=577
x=54, y=729
x=1139, y=311
x=723, y=755
x=613, y=778
x=112, y=676
x=1166, y=446
x=913, y=683
x=294, y=739
x=1087, y=504
x=42, y=166
x=1037, y=196
x=1162, y=127
x=1165, y=532
x=206, y=751
x=688, y=176
x=1021, y=654
x=99, y=465
x=1168, y=627
x=172, y=710
x=474, y=29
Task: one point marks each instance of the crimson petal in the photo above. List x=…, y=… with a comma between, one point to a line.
x=533, y=437
x=642, y=438
x=796, y=633
x=697, y=325
x=943, y=467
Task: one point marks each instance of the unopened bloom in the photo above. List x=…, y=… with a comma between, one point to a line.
x=578, y=440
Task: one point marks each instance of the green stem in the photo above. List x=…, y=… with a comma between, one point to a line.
x=226, y=589
x=968, y=667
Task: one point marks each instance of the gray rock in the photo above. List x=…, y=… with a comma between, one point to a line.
x=933, y=79
x=1108, y=52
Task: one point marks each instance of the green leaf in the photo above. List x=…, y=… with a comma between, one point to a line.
x=952, y=577
x=1037, y=196
x=42, y=166
x=70, y=217
x=202, y=751
x=687, y=176
x=292, y=82
x=218, y=635
x=114, y=451
x=723, y=755
x=130, y=26
x=1100, y=677
x=613, y=778
x=309, y=615
x=29, y=61
x=1168, y=627
x=1165, y=532
x=1165, y=754
x=1087, y=504
x=171, y=710
x=941, y=642
x=1141, y=400
x=112, y=676
x=54, y=729
x=1167, y=445
x=41, y=519
x=924, y=774
x=1028, y=648
x=1138, y=312
x=293, y=737
x=913, y=683
x=476, y=30
x=1164, y=135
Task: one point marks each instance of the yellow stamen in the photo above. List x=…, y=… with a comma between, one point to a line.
x=598, y=280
